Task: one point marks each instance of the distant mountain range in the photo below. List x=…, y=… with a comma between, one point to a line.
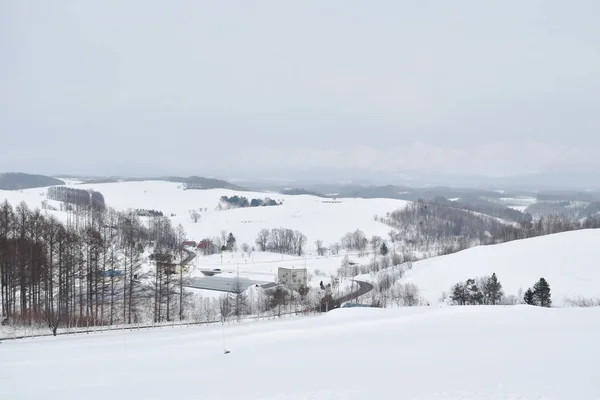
x=191, y=182
x=559, y=185
x=572, y=180
x=19, y=180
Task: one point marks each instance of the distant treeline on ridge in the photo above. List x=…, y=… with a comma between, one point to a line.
x=77, y=197
x=241, y=201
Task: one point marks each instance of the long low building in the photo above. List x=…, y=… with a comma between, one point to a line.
x=225, y=284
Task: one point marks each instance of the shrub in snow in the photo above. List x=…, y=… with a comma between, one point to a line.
x=510, y=300
x=406, y=295
x=396, y=259
x=582, y=302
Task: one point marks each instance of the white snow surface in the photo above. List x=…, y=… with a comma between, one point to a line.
x=517, y=203
x=429, y=353
x=308, y=214
x=263, y=266
x=568, y=261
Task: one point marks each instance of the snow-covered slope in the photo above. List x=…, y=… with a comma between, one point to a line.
x=489, y=353
x=568, y=261
x=315, y=217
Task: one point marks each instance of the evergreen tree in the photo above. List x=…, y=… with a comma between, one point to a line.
x=383, y=249
x=459, y=294
x=278, y=300
x=474, y=294
x=230, y=241
x=303, y=291
x=529, y=298
x=541, y=293
x=492, y=290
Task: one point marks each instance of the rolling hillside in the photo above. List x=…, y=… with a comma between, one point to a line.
x=19, y=181
x=568, y=261
x=315, y=217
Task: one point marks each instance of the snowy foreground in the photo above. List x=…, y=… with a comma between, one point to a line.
x=480, y=352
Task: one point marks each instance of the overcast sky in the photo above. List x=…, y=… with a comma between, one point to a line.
x=235, y=88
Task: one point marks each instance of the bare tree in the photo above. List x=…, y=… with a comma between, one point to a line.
x=195, y=215
x=240, y=301
x=335, y=248
x=262, y=240
x=53, y=318
x=224, y=307
x=224, y=236
x=375, y=243
x=407, y=295
x=320, y=248
x=246, y=248
x=208, y=306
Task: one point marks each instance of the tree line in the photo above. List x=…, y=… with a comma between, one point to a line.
x=242, y=202
x=479, y=205
x=148, y=213
x=77, y=197
x=281, y=240
x=88, y=269
x=488, y=291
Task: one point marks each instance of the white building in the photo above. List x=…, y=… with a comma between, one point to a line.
x=293, y=278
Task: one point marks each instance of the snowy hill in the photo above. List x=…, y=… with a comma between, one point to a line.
x=568, y=261
x=315, y=217
x=432, y=353
x=18, y=181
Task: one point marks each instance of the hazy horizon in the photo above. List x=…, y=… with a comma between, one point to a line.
x=287, y=90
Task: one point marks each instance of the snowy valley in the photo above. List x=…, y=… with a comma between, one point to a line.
x=398, y=260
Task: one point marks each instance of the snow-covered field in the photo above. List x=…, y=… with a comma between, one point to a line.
x=263, y=265
x=313, y=216
x=517, y=203
x=482, y=352
x=568, y=261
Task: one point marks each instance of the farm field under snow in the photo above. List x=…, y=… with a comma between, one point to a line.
x=429, y=353
x=568, y=261
x=262, y=266
x=310, y=215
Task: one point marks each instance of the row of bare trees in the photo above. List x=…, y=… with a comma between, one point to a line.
x=281, y=240
x=77, y=197
x=275, y=302
x=87, y=270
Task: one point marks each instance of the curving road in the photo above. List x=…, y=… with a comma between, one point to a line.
x=363, y=288
x=190, y=256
